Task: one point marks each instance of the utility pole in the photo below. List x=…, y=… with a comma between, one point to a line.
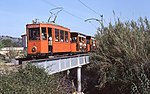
x=100, y=21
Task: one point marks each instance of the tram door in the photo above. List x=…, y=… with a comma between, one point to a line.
x=50, y=41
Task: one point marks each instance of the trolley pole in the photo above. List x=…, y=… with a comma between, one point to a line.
x=79, y=79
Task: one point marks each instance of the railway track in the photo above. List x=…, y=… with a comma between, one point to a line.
x=50, y=58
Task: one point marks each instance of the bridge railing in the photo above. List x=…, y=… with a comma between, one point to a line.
x=62, y=64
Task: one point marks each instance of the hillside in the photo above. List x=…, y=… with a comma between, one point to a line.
x=13, y=40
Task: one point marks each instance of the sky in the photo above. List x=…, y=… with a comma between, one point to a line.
x=15, y=14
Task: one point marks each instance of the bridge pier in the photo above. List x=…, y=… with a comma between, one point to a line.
x=79, y=79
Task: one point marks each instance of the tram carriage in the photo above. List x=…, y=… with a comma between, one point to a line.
x=44, y=39
x=91, y=43
x=78, y=41
x=47, y=39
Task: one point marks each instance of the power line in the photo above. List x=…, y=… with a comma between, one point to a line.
x=73, y=15
x=47, y=2
x=100, y=21
x=89, y=7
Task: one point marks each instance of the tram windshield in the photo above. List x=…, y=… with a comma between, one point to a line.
x=34, y=34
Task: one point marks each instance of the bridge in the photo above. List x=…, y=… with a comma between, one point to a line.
x=59, y=64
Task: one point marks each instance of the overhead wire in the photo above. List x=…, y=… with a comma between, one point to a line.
x=92, y=11
x=47, y=2
x=89, y=7
x=63, y=10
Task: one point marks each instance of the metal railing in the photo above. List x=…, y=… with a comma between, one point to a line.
x=62, y=63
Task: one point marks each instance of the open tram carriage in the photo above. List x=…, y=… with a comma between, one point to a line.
x=47, y=39
x=44, y=39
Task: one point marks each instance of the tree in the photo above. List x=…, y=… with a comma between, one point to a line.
x=7, y=42
x=1, y=45
x=120, y=63
x=10, y=43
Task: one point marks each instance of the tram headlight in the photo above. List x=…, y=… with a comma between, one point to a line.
x=34, y=49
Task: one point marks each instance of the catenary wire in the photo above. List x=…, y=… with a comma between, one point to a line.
x=47, y=2
x=89, y=7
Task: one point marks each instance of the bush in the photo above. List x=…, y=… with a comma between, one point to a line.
x=119, y=64
x=31, y=80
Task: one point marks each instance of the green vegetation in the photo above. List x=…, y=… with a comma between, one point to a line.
x=1, y=45
x=120, y=64
x=11, y=54
x=32, y=80
x=9, y=43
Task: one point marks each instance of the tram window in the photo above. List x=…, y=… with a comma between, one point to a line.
x=50, y=34
x=66, y=36
x=83, y=39
x=93, y=42
x=74, y=39
x=80, y=39
x=88, y=41
x=56, y=35
x=44, y=36
x=61, y=35
x=34, y=34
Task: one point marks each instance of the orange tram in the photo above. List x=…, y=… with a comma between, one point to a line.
x=47, y=39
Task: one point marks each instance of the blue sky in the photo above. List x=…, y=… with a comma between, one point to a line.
x=15, y=14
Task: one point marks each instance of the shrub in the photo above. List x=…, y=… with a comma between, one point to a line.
x=119, y=64
x=32, y=80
